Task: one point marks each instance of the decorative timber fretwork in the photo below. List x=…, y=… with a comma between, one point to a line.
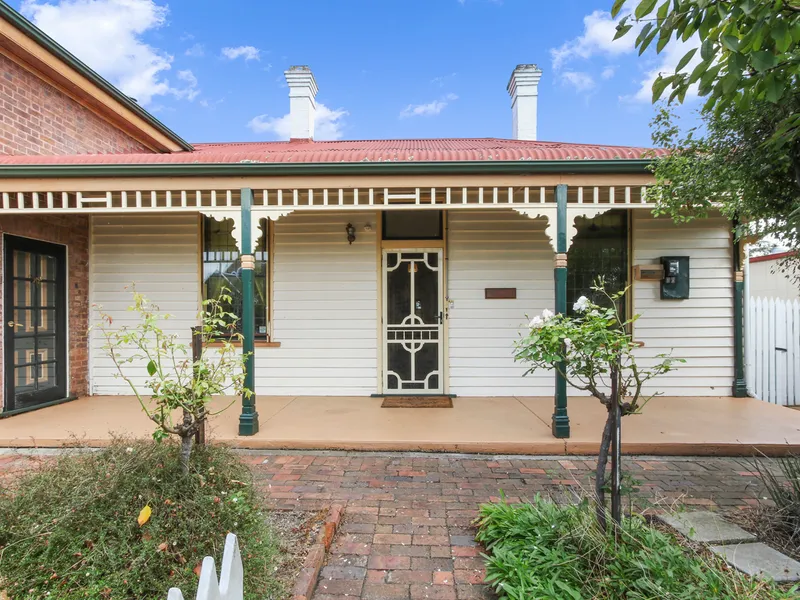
x=526, y=199
x=235, y=215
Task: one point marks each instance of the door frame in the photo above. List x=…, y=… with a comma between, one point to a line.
x=437, y=246
x=10, y=243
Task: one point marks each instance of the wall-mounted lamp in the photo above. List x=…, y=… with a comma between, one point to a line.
x=351, y=233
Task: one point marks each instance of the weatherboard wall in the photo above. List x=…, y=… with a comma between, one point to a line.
x=495, y=249
x=325, y=299
x=699, y=329
x=324, y=294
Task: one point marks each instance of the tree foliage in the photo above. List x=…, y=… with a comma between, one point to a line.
x=748, y=53
x=729, y=168
x=747, y=162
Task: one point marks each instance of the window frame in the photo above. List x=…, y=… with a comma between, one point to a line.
x=629, y=308
x=267, y=227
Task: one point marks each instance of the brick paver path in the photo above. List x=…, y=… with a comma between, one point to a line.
x=407, y=529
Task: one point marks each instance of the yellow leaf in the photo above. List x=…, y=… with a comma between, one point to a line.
x=144, y=515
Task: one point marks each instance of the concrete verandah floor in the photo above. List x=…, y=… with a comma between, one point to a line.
x=502, y=425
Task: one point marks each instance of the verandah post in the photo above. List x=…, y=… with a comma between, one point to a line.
x=560, y=417
x=248, y=419
x=739, y=381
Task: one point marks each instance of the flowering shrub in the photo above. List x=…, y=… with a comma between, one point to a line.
x=585, y=347
x=589, y=349
x=180, y=388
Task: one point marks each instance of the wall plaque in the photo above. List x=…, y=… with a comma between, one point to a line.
x=501, y=293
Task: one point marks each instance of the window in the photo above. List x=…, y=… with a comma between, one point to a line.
x=599, y=248
x=222, y=269
x=412, y=225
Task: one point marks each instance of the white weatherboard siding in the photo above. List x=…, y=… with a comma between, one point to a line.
x=160, y=254
x=495, y=249
x=324, y=308
x=325, y=299
x=324, y=294
x=699, y=329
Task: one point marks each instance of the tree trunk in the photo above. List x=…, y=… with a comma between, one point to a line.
x=600, y=473
x=186, y=452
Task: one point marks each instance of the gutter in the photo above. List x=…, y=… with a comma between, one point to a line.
x=41, y=38
x=252, y=169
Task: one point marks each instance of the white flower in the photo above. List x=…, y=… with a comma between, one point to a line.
x=581, y=305
x=129, y=450
x=547, y=314
x=567, y=344
x=536, y=322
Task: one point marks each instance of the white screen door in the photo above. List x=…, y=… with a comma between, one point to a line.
x=413, y=321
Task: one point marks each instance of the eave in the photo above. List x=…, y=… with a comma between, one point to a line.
x=621, y=167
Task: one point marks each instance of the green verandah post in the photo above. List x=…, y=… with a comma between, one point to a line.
x=560, y=416
x=248, y=419
x=739, y=381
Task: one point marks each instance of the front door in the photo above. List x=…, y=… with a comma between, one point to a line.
x=413, y=321
x=34, y=297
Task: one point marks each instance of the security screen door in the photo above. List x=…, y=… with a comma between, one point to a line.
x=413, y=321
x=35, y=329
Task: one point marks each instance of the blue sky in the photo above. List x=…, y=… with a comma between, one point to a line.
x=213, y=71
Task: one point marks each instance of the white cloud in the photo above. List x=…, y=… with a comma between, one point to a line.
x=190, y=92
x=211, y=104
x=582, y=82
x=442, y=80
x=328, y=124
x=429, y=109
x=597, y=39
x=246, y=52
x=196, y=51
x=107, y=35
x=599, y=30
x=667, y=61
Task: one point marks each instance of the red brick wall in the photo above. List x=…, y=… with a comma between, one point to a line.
x=36, y=118
x=72, y=231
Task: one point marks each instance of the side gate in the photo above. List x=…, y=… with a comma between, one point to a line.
x=772, y=343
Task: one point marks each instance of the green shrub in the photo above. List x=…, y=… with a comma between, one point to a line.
x=69, y=530
x=546, y=551
x=785, y=493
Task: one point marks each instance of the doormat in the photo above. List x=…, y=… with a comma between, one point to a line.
x=417, y=402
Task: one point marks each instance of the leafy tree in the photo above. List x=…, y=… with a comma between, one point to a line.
x=729, y=168
x=747, y=163
x=750, y=54
x=589, y=349
x=180, y=388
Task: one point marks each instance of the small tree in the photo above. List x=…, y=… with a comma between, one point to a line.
x=591, y=349
x=180, y=389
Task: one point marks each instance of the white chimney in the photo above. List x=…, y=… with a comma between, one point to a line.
x=302, y=106
x=524, y=91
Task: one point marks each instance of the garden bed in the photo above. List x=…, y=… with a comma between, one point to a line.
x=776, y=519
x=543, y=550
x=125, y=523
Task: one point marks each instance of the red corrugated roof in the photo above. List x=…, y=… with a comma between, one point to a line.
x=308, y=151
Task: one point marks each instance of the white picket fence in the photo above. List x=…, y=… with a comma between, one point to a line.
x=772, y=345
x=231, y=579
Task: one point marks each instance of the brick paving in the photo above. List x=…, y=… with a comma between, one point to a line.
x=407, y=527
x=407, y=530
